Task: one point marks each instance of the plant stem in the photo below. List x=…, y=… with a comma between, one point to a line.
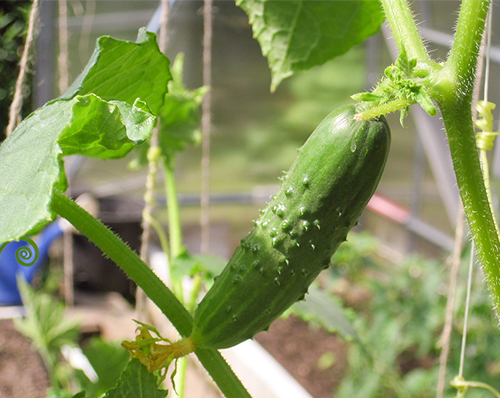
x=223, y=375
x=141, y=274
x=461, y=62
x=453, y=93
x=174, y=225
x=457, y=117
x=174, y=222
x=126, y=259
x=404, y=30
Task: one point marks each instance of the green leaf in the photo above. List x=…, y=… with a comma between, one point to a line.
x=425, y=102
x=368, y=97
x=179, y=118
x=296, y=35
x=124, y=71
x=327, y=311
x=136, y=382
x=108, y=359
x=191, y=264
x=179, y=115
x=45, y=323
x=57, y=392
x=31, y=164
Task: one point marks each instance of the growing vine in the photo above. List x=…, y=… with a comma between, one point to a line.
x=102, y=116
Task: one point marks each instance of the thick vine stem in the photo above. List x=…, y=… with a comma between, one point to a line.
x=140, y=273
x=126, y=259
x=457, y=118
x=451, y=87
x=462, y=60
x=453, y=93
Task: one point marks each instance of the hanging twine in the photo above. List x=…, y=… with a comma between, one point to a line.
x=206, y=122
x=18, y=100
x=153, y=156
x=62, y=59
x=154, y=153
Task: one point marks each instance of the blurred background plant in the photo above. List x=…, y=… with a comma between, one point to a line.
x=14, y=15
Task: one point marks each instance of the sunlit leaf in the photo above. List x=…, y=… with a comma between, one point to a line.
x=296, y=35
x=124, y=71
x=136, y=382
x=31, y=158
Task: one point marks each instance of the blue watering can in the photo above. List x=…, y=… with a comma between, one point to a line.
x=24, y=258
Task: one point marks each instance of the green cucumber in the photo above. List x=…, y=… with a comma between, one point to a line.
x=321, y=198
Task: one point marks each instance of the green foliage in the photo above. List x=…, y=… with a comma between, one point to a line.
x=296, y=35
x=136, y=382
x=31, y=156
x=356, y=256
x=179, y=118
x=179, y=115
x=400, y=325
x=192, y=264
x=80, y=124
x=402, y=81
x=48, y=329
x=13, y=20
x=123, y=71
x=327, y=311
x=45, y=323
x=108, y=359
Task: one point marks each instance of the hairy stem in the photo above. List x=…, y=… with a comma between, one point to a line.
x=156, y=290
x=404, y=30
x=126, y=259
x=457, y=117
x=453, y=93
x=462, y=61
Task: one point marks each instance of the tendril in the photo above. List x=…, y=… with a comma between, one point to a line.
x=484, y=141
x=25, y=255
x=484, y=122
x=463, y=386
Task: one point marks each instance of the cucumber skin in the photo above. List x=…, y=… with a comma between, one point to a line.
x=321, y=198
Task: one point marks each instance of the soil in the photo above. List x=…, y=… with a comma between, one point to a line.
x=295, y=344
x=299, y=347
x=22, y=373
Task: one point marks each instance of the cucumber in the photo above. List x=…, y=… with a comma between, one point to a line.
x=321, y=198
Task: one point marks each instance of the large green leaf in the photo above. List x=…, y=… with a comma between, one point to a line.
x=124, y=71
x=136, y=382
x=296, y=35
x=179, y=115
x=108, y=359
x=30, y=166
x=179, y=118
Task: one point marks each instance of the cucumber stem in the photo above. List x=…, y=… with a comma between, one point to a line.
x=174, y=223
x=404, y=29
x=156, y=290
x=126, y=259
x=453, y=93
